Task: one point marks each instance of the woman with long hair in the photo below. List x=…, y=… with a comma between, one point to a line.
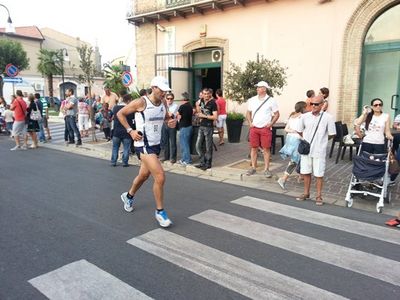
x=377, y=127
x=292, y=142
x=33, y=125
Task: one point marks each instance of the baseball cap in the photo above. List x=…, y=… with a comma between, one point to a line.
x=161, y=83
x=262, y=83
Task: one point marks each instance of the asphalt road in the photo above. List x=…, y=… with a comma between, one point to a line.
x=64, y=235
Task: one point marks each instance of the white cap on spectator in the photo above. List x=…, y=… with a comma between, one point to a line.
x=161, y=83
x=262, y=83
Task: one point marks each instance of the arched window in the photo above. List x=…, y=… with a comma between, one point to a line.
x=380, y=76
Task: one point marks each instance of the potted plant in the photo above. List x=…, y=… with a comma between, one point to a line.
x=239, y=86
x=234, y=122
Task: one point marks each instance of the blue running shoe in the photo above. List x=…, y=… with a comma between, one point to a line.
x=128, y=203
x=162, y=218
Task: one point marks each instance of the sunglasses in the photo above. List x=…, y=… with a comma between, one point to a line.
x=378, y=104
x=315, y=104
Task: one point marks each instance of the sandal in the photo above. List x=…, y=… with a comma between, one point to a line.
x=318, y=201
x=303, y=197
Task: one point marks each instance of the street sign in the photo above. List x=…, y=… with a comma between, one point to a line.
x=127, y=79
x=11, y=70
x=13, y=79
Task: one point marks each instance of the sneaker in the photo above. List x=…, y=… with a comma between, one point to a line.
x=78, y=143
x=15, y=148
x=162, y=218
x=251, y=171
x=282, y=183
x=24, y=147
x=128, y=203
x=267, y=174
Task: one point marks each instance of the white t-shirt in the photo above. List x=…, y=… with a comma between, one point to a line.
x=293, y=124
x=264, y=115
x=8, y=116
x=307, y=125
x=173, y=108
x=376, y=130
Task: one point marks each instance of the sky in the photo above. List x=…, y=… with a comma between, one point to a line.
x=101, y=22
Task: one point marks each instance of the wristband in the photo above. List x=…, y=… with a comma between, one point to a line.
x=128, y=130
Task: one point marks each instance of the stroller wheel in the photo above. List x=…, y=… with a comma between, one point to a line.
x=349, y=203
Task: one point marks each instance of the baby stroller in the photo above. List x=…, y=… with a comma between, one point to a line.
x=370, y=176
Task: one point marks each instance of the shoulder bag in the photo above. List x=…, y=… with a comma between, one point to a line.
x=304, y=146
x=35, y=114
x=252, y=117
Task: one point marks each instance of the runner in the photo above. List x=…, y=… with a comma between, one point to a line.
x=150, y=113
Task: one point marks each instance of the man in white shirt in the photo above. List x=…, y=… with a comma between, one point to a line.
x=262, y=113
x=315, y=161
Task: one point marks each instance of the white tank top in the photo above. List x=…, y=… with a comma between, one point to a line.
x=149, y=122
x=376, y=130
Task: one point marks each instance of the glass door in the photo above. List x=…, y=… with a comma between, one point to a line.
x=381, y=76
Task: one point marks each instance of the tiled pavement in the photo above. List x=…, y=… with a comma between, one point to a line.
x=230, y=164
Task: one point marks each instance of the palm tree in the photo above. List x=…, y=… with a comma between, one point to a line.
x=113, y=76
x=50, y=63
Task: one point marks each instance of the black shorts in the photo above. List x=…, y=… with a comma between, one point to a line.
x=156, y=149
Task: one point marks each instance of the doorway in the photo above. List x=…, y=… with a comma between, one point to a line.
x=207, y=78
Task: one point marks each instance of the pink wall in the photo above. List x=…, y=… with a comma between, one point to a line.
x=303, y=35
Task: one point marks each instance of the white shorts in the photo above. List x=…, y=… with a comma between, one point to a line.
x=83, y=122
x=221, y=121
x=19, y=128
x=313, y=165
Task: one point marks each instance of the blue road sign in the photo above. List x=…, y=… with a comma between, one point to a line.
x=127, y=79
x=11, y=70
x=13, y=79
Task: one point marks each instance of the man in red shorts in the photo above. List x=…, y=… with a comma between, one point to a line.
x=262, y=113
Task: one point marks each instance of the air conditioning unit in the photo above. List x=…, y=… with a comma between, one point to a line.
x=216, y=55
x=38, y=87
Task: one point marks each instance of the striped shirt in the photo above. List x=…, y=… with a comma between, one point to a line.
x=44, y=105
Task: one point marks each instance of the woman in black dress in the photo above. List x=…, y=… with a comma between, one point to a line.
x=32, y=118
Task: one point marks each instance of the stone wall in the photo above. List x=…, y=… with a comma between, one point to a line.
x=145, y=54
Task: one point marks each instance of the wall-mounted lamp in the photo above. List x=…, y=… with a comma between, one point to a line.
x=160, y=28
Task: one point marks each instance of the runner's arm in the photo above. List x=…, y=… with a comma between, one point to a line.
x=134, y=106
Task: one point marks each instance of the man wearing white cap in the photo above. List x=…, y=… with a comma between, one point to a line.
x=262, y=113
x=150, y=115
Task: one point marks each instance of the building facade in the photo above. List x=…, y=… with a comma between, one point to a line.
x=350, y=46
x=32, y=40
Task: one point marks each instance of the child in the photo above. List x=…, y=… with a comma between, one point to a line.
x=9, y=118
x=292, y=142
x=106, y=121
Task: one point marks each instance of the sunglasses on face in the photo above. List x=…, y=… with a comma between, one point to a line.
x=378, y=104
x=315, y=104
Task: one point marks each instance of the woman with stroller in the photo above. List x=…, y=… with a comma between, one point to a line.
x=292, y=142
x=377, y=127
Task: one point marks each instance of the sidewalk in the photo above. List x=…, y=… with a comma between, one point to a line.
x=230, y=164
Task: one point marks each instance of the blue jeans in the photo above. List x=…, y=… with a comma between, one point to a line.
x=205, y=135
x=72, y=128
x=185, y=134
x=42, y=137
x=168, y=142
x=115, y=148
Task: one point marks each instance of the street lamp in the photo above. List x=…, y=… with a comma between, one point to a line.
x=64, y=57
x=10, y=28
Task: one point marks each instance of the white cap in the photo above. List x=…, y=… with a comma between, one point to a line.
x=161, y=83
x=262, y=83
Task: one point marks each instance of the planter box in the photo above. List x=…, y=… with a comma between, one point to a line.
x=234, y=128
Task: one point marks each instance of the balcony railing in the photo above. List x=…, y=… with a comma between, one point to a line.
x=174, y=3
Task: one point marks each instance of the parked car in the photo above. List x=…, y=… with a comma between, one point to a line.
x=54, y=102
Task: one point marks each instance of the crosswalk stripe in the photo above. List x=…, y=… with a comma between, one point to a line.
x=347, y=258
x=234, y=273
x=356, y=227
x=83, y=280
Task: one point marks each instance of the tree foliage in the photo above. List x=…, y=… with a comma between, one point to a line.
x=113, y=75
x=239, y=83
x=11, y=52
x=50, y=64
x=87, y=66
